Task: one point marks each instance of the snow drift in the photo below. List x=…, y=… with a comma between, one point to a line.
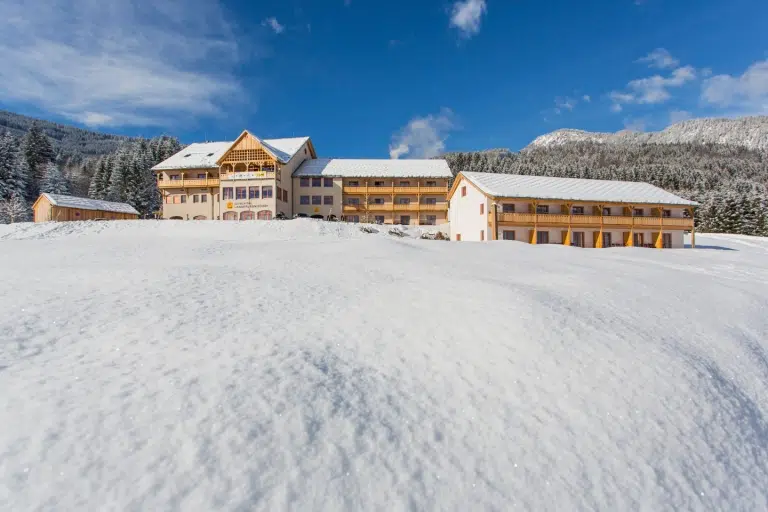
x=301, y=365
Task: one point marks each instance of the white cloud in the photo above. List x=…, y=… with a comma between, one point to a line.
x=747, y=93
x=635, y=125
x=660, y=58
x=274, y=25
x=586, y=98
x=423, y=137
x=652, y=90
x=564, y=104
x=677, y=116
x=122, y=62
x=466, y=16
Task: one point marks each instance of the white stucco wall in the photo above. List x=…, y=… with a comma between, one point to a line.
x=464, y=214
x=322, y=209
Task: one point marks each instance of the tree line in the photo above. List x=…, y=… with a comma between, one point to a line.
x=29, y=165
x=730, y=182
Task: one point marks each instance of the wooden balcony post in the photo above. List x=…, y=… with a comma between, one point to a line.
x=494, y=221
x=693, y=229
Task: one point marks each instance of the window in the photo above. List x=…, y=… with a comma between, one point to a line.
x=542, y=209
x=403, y=200
x=405, y=220
x=377, y=200
x=378, y=183
x=353, y=184
x=578, y=210
x=305, y=151
x=195, y=198
x=327, y=200
x=285, y=196
x=607, y=240
x=303, y=182
x=686, y=214
x=666, y=240
x=203, y=198
x=482, y=209
x=77, y=214
x=482, y=235
x=227, y=192
x=279, y=194
x=463, y=193
x=240, y=193
x=230, y=216
x=638, y=212
x=666, y=213
x=431, y=220
x=352, y=201
x=266, y=192
x=160, y=177
x=405, y=183
x=606, y=212
x=431, y=183
x=353, y=218
x=508, y=235
x=316, y=200
x=304, y=200
x=175, y=177
x=638, y=239
x=253, y=192
x=508, y=208
x=201, y=176
x=378, y=219
x=183, y=199
x=327, y=182
x=577, y=239
x=317, y=182
x=542, y=237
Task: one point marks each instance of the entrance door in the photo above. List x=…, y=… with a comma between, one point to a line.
x=577, y=239
x=607, y=241
x=638, y=240
x=264, y=215
x=666, y=240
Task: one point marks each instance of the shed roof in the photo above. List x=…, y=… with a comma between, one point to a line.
x=576, y=189
x=85, y=203
x=374, y=168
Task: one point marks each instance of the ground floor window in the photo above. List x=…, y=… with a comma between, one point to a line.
x=264, y=214
x=199, y=217
x=195, y=198
x=378, y=219
x=183, y=199
x=303, y=199
x=542, y=237
x=317, y=200
x=607, y=240
x=666, y=240
x=431, y=220
x=230, y=216
x=405, y=220
x=638, y=239
x=328, y=200
x=176, y=218
x=247, y=215
x=482, y=235
x=577, y=239
x=508, y=235
x=353, y=218
x=203, y=198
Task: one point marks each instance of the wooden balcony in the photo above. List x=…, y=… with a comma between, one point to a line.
x=389, y=207
x=372, y=191
x=210, y=182
x=596, y=221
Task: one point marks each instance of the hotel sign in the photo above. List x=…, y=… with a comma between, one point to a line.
x=246, y=204
x=246, y=176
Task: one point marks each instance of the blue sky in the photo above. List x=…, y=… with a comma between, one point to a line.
x=375, y=78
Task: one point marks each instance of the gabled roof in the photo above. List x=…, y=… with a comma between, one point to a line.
x=576, y=189
x=381, y=168
x=206, y=155
x=85, y=203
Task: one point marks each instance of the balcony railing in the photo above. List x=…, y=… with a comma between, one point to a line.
x=565, y=220
x=372, y=191
x=389, y=207
x=210, y=182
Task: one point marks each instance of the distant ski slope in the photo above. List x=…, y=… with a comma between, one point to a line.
x=302, y=365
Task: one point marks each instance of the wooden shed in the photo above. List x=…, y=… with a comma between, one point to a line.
x=57, y=207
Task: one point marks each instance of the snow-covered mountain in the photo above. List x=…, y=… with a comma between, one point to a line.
x=749, y=132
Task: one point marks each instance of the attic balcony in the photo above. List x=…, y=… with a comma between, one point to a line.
x=418, y=190
x=594, y=221
x=184, y=183
x=395, y=207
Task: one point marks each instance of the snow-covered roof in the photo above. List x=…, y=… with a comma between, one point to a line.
x=381, y=168
x=544, y=187
x=205, y=155
x=85, y=203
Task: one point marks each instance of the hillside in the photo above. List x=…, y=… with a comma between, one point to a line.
x=257, y=366
x=67, y=139
x=747, y=132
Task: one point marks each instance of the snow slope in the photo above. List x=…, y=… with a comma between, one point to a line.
x=300, y=365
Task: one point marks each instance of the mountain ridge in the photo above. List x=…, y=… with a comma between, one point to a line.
x=747, y=132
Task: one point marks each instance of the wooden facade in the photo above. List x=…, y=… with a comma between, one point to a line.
x=44, y=211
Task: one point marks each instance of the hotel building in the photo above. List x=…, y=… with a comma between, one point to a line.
x=568, y=211
x=251, y=179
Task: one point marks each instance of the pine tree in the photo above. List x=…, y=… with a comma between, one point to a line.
x=38, y=152
x=54, y=181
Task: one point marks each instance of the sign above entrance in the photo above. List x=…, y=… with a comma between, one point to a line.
x=247, y=175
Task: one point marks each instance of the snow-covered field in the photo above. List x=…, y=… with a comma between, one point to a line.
x=301, y=365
